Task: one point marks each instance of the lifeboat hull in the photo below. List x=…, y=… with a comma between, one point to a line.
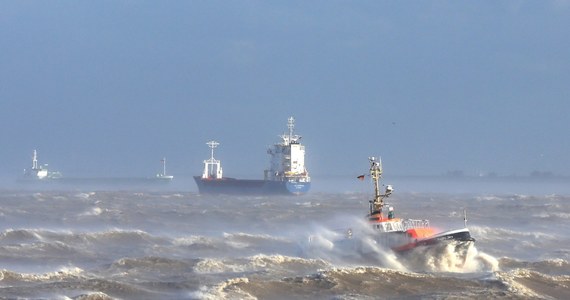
x=460, y=236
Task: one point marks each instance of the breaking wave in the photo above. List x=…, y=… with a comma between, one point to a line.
x=333, y=245
x=65, y=273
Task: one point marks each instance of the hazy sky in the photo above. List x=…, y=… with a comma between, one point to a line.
x=110, y=87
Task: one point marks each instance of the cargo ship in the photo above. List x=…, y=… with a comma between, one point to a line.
x=286, y=173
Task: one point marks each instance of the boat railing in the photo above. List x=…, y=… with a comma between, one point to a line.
x=411, y=223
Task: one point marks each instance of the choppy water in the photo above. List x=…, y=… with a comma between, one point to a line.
x=169, y=245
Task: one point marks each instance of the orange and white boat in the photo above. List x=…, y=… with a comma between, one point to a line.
x=402, y=236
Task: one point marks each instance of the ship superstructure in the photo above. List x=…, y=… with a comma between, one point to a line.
x=287, y=162
x=212, y=166
x=286, y=174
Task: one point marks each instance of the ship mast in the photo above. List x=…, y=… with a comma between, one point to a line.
x=377, y=204
x=291, y=126
x=290, y=138
x=35, y=160
x=163, y=166
x=212, y=145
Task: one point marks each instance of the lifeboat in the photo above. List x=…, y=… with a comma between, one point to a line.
x=403, y=235
x=400, y=235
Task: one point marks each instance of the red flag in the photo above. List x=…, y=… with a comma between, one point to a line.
x=361, y=177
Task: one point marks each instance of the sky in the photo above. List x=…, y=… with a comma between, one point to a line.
x=108, y=88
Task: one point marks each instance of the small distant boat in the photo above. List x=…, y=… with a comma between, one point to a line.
x=286, y=174
x=163, y=176
x=402, y=236
x=39, y=172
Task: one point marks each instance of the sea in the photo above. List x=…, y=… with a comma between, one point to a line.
x=170, y=242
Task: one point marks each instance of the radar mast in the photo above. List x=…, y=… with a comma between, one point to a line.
x=290, y=138
x=377, y=204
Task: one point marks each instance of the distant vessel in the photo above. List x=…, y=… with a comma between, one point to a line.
x=39, y=172
x=286, y=174
x=163, y=176
x=400, y=235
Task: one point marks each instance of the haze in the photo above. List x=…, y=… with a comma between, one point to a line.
x=108, y=88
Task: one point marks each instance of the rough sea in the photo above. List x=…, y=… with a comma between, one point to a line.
x=172, y=243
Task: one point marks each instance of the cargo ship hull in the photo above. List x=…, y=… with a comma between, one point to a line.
x=233, y=186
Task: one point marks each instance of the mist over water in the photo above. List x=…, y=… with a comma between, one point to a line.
x=149, y=243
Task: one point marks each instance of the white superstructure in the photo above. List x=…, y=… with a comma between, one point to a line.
x=212, y=166
x=287, y=162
